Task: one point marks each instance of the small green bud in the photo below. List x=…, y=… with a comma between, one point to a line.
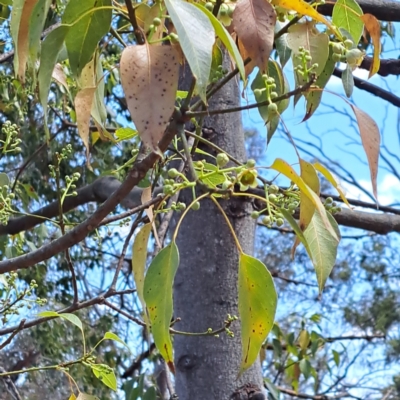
x=151, y=27
x=272, y=197
x=257, y=92
x=348, y=44
x=336, y=57
x=209, y=6
x=255, y=214
x=157, y=22
x=196, y=206
x=222, y=159
x=279, y=221
x=273, y=95
x=174, y=37
x=173, y=173
x=328, y=201
x=265, y=77
x=272, y=108
x=337, y=48
x=273, y=189
x=168, y=189
x=251, y=163
x=266, y=220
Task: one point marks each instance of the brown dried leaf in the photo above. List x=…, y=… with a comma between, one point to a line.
x=373, y=27
x=83, y=106
x=59, y=75
x=149, y=76
x=371, y=140
x=254, y=22
x=23, y=37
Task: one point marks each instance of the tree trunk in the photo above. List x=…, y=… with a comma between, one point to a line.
x=205, y=288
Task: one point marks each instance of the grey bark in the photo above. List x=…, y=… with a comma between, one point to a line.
x=205, y=288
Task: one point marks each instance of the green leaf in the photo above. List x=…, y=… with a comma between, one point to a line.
x=305, y=368
x=125, y=134
x=4, y=180
x=322, y=246
x=37, y=20
x=113, y=336
x=282, y=48
x=272, y=389
x=105, y=374
x=314, y=97
x=139, y=257
x=69, y=317
x=196, y=37
x=90, y=22
x=226, y=39
x=348, y=81
x=292, y=222
x=257, y=306
x=51, y=48
x=346, y=14
x=151, y=394
x=336, y=357
x=158, y=297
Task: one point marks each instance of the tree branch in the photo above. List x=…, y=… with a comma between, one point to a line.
x=74, y=236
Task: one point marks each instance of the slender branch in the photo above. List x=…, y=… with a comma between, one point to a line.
x=135, y=175
x=13, y=334
x=136, y=28
x=293, y=393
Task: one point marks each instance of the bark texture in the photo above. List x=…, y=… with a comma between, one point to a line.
x=206, y=283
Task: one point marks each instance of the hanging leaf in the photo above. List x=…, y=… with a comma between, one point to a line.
x=328, y=176
x=149, y=77
x=346, y=14
x=303, y=8
x=37, y=21
x=83, y=105
x=145, y=16
x=105, y=374
x=323, y=247
x=225, y=38
x=113, y=336
x=90, y=20
x=59, y=76
x=307, y=207
x=314, y=97
x=196, y=37
x=348, y=81
x=139, y=258
x=371, y=141
x=51, y=48
x=282, y=48
x=284, y=168
x=157, y=294
x=374, y=29
x=307, y=36
x=254, y=23
x=257, y=307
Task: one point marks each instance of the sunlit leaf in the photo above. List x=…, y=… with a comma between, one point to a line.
x=84, y=396
x=90, y=21
x=105, y=374
x=284, y=168
x=254, y=23
x=3, y=280
x=371, y=140
x=149, y=76
x=157, y=294
x=346, y=14
x=348, y=81
x=329, y=177
x=72, y=397
x=304, y=339
x=196, y=37
x=374, y=29
x=125, y=134
x=67, y=316
x=113, y=336
x=323, y=247
x=139, y=257
x=226, y=39
x=303, y=8
x=257, y=307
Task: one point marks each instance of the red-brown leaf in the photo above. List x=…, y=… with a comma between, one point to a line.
x=254, y=22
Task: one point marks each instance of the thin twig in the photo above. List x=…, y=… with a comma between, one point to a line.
x=136, y=28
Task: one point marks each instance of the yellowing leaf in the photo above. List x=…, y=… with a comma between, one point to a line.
x=157, y=294
x=371, y=140
x=59, y=75
x=329, y=177
x=257, y=307
x=149, y=76
x=72, y=397
x=196, y=38
x=323, y=247
x=284, y=168
x=254, y=23
x=84, y=396
x=346, y=14
x=139, y=257
x=374, y=29
x=83, y=105
x=303, y=8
